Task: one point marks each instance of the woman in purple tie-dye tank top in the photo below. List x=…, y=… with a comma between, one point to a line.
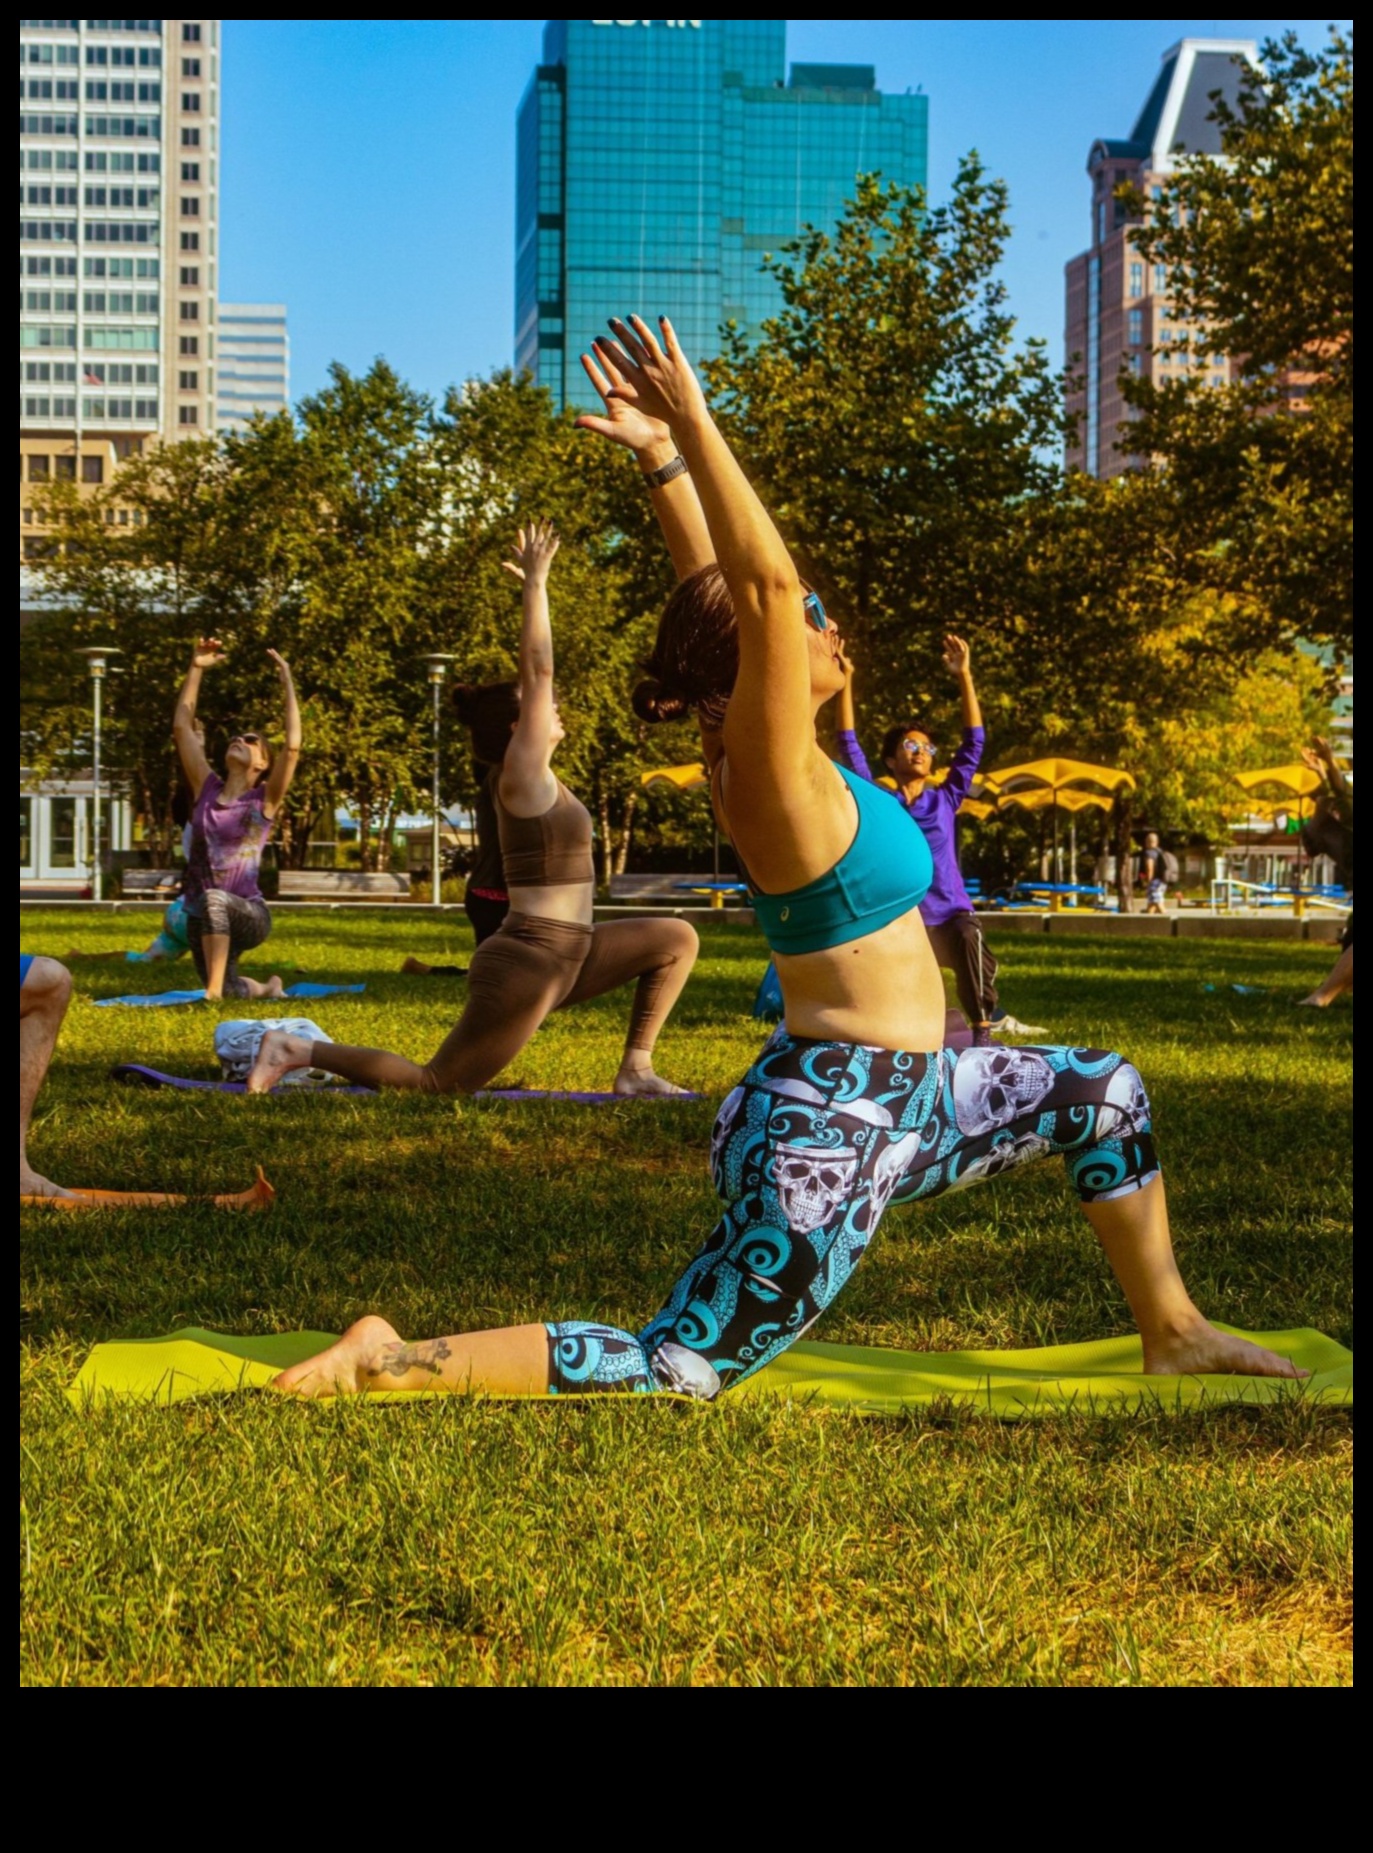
x=230, y=825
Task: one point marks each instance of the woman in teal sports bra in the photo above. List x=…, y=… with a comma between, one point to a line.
x=853, y=1104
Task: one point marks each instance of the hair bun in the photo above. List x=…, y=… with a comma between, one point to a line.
x=653, y=701
x=462, y=695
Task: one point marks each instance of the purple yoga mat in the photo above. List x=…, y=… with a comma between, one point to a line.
x=133, y=1074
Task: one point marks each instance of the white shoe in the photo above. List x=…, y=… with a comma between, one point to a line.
x=1012, y=1026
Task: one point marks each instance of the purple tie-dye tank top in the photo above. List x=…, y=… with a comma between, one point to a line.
x=227, y=841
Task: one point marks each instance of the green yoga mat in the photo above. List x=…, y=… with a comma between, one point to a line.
x=1105, y=1375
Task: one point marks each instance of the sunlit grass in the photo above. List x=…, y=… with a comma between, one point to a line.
x=245, y=1541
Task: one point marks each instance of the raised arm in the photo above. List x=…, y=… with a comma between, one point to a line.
x=770, y=720
x=958, y=660
x=284, y=765
x=967, y=755
x=675, y=501
x=851, y=753
x=527, y=784
x=189, y=746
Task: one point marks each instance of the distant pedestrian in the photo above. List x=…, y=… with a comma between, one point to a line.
x=1156, y=868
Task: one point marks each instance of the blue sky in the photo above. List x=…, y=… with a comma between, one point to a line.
x=368, y=167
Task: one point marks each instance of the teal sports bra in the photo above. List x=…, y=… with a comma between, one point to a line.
x=885, y=872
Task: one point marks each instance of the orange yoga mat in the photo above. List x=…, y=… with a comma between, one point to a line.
x=258, y=1196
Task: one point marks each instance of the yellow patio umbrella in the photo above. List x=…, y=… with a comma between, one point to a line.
x=1297, y=778
x=1059, y=784
x=684, y=778
x=1300, y=780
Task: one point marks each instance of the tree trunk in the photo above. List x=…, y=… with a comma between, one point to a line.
x=1125, y=870
x=605, y=845
x=626, y=832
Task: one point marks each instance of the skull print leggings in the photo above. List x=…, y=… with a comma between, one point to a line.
x=810, y=1149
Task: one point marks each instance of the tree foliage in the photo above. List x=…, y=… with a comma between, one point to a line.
x=1257, y=243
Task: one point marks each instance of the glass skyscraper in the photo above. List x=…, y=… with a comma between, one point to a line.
x=658, y=160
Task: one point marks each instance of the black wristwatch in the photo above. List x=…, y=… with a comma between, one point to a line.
x=675, y=467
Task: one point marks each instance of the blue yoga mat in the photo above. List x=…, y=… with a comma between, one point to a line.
x=157, y=1000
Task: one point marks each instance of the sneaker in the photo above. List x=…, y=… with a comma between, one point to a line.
x=1012, y=1026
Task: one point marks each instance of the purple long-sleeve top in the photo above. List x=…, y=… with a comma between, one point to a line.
x=936, y=811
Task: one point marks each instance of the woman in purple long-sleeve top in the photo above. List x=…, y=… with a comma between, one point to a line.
x=909, y=755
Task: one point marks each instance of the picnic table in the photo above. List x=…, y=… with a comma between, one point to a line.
x=717, y=890
x=1060, y=894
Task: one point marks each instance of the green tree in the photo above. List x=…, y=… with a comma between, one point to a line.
x=892, y=421
x=1258, y=247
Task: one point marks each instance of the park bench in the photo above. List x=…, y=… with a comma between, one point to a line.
x=340, y=885
x=149, y=884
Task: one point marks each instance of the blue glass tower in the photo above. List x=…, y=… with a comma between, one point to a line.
x=659, y=159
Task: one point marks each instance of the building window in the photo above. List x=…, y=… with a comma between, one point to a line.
x=190, y=311
x=190, y=241
x=190, y=170
x=190, y=67
x=1136, y=327
x=190, y=102
x=189, y=346
x=1101, y=221
x=190, y=31
x=190, y=276
x=188, y=382
x=190, y=208
x=190, y=138
x=64, y=469
x=187, y=415
x=1136, y=278
x=40, y=469
x=92, y=469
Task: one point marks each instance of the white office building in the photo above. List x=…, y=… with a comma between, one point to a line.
x=118, y=225
x=254, y=362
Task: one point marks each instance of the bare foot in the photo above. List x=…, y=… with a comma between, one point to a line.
x=32, y=1185
x=640, y=1083
x=416, y=968
x=250, y=987
x=1206, y=1352
x=345, y=1369
x=277, y=1054
x=1316, y=1001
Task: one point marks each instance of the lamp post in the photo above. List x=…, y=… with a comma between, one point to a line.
x=97, y=657
x=438, y=670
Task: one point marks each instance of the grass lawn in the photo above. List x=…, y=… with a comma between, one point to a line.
x=629, y=1542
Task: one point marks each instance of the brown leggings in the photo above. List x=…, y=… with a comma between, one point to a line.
x=530, y=967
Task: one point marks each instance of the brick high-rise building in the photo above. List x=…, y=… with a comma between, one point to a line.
x=118, y=189
x=1117, y=313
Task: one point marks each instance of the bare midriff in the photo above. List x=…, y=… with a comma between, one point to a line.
x=884, y=990
x=568, y=901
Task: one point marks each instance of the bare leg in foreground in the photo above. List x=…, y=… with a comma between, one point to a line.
x=371, y=1355
x=1177, y=1340
x=43, y=1000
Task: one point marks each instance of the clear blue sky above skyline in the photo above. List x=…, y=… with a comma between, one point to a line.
x=368, y=166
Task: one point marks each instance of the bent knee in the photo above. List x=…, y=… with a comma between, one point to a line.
x=680, y=941
x=1126, y=1092
x=48, y=982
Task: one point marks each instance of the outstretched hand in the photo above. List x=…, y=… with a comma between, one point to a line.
x=957, y=655
x=533, y=551
x=283, y=667
x=623, y=422
x=655, y=377
x=207, y=652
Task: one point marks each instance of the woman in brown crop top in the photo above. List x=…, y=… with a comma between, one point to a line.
x=547, y=954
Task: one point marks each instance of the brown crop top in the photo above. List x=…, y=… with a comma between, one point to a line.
x=551, y=851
